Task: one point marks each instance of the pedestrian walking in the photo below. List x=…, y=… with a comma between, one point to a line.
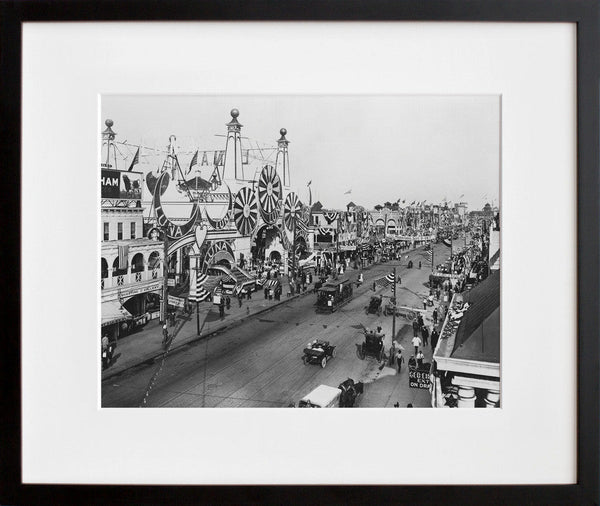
x=425, y=334
x=420, y=358
x=239, y=298
x=420, y=320
x=416, y=341
x=399, y=360
x=424, y=303
x=435, y=316
x=266, y=290
x=222, y=308
x=374, y=285
x=228, y=302
x=415, y=328
x=434, y=338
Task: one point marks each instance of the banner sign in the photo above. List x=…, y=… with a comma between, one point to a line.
x=176, y=301
x=135, y=291
x=418, y=379
x=116, y=184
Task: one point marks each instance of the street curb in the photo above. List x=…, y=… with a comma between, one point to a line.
x=153, y=358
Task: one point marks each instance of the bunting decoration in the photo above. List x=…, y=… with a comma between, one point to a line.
x=386, y=280
x=245, y=211
x=302, y=229
x=330, y=217
x=173, y=231
x=325, y=231
x=291, y=210
x=221, y=223
x=269, y=194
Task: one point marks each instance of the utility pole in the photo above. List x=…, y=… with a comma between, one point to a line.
x=165, y=288
x=394, y=308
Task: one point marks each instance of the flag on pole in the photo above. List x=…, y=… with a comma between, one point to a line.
x=349, y=191
x=193, y=162
x=308, y=184
x=386, y=280
x=136, y=160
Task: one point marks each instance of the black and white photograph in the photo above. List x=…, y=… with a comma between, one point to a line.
x=300, y=251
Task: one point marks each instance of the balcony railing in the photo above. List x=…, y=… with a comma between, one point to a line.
x=130, y=278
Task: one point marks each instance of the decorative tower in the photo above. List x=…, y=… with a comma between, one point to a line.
x=282, y=161
x=108, y=136
x=232, y=163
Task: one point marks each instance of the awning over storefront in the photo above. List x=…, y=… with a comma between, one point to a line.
x=272, y=283
x=113, y=312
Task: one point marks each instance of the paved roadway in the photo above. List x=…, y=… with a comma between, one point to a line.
x=258, y=363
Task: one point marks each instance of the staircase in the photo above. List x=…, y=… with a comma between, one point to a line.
x=235, y=277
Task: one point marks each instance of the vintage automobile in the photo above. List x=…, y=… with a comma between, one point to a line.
x=333, y=294
x=344, y=396
x=318, y=352
x=374, y=306
x=372, y=346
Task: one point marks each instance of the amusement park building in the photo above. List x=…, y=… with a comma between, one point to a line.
x=131, y=265
x=227, y=213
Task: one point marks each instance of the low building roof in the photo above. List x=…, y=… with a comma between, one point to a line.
x=478, y=335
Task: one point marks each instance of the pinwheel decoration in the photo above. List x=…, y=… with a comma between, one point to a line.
x=245, y=211
x=292, y=211
x=269, y=194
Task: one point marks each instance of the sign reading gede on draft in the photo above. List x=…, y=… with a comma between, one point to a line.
x=418, y=379
x=117, y=184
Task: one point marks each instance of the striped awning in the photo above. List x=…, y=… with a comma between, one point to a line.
x=272, y=283
x=114, y=312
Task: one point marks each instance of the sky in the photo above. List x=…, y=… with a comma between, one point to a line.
x=380, y=148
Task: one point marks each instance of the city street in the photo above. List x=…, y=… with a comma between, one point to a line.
x=258, y=363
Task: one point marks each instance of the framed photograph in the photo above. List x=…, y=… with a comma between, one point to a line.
x=396, y=211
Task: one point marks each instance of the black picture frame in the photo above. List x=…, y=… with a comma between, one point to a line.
x=585, y=13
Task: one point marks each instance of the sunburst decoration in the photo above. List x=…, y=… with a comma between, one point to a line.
x=269, y=194
x=292, y=210
x=245, y=211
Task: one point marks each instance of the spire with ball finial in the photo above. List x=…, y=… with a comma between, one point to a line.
x=108, y=135
x=232, y=163
x=282, y=161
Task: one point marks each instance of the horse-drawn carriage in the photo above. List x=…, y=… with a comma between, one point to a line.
x=318, y=352
x=374, y=306
x=372, y=346
x=333, y=294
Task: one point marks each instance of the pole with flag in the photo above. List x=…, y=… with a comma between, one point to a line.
x=135, y=161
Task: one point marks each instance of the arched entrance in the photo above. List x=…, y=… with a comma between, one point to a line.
x=275, y=256
x=266, y=243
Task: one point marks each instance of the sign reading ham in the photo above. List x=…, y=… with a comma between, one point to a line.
x=116, y=184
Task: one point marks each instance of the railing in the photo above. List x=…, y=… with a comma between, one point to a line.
x=130, y=278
